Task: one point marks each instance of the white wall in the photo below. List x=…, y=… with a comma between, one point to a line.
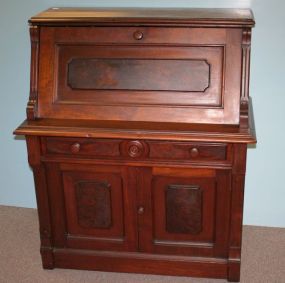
x=265, y=189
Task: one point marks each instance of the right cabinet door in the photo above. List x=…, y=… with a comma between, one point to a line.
x=188, y=213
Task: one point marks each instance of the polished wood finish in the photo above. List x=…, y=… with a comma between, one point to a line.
x=137, y=129
x=210, y=95
x=138, y=74
x=196, y=17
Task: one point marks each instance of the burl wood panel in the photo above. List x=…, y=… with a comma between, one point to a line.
x=150, y=75
x=183, y=209
x=139, y=74
x=93, y=201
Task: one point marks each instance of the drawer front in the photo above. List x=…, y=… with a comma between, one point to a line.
x=82, y=147
x=137, y=74
x=188, y=151
x=136, y=149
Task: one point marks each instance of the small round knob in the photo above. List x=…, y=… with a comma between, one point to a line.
x=194, y=152
x=135, y=149
x=141, y=210
x=75, y=147
x=138, y=35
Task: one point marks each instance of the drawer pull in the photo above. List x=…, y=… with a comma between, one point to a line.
x=75, y=147
x=138, y=35
x=194, y=152
x=135, y=149
x=141, y=210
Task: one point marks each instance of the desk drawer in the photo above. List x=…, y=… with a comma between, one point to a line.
x=187, y=151
x=82, y=147
x=136, y=149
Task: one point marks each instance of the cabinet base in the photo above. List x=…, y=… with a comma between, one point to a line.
x=145, y=263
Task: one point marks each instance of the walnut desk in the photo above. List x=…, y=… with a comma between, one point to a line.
x=137, y=129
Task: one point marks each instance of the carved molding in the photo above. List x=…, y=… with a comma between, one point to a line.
x=32, y=103
x=246, y=46
x=134, y=149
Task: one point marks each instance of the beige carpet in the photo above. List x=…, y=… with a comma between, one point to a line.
x=263, y=257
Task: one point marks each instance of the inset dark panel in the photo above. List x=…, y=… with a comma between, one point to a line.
x=93, y=200
x=139, y=74
x=183, y=209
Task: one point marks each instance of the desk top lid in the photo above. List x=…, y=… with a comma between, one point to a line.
x=199, y=16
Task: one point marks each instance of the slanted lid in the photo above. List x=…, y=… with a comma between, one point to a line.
x=193, y=16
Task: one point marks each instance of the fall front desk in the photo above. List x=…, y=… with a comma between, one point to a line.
x=137, y=128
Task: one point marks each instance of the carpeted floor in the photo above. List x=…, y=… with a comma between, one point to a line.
x=263, y=257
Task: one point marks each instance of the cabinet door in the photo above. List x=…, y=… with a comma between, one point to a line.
x=188, y=213
x=92, y=207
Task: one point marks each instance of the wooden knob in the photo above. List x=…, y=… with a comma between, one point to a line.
x=75, y=147
x=138, y=35
x=135, y=149
x=194, y=152
x=141, y=210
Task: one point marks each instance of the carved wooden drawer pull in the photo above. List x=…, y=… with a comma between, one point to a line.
x=138, y=35
x=75, y=147
x=135, y=149
x=194, y=152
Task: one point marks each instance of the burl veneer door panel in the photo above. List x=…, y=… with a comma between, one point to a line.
x=190, y=70
x=94, y=207
x=190, y=212
x=183, y=209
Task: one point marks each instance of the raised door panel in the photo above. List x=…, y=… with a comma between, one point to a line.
x=140, y=76
x=183, y=205
x=189, y=212
x=92, y=202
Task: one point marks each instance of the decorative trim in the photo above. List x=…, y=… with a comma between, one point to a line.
x=134, y=149
x=246, y=46
x=32, y=103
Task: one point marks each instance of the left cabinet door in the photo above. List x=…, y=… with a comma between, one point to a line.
x=92, y=207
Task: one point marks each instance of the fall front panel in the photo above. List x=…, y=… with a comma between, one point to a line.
x=93, y=73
